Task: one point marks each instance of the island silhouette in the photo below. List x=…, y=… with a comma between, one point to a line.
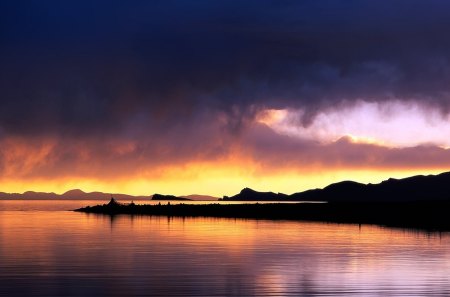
x=77, y=194
x=168, y=197
x=416, y=202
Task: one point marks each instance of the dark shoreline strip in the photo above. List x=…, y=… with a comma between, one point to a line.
x=433, y=216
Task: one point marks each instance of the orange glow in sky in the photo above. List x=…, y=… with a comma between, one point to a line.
x=210, y=180
x=366, y=142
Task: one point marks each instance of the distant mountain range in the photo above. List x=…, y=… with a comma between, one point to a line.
x=415, y=188
x=81, y=195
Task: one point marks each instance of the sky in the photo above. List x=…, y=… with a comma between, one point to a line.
x=208, y=97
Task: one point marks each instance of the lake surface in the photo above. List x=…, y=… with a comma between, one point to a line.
x=46, y=250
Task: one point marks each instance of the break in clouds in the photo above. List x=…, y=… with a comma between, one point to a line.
x=391, y=124
x=122, y=84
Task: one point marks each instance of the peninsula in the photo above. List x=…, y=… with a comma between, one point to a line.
x=421, y=202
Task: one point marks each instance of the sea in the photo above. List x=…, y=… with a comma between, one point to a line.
x=46, y=249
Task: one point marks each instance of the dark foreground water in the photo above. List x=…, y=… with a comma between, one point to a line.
x=47, y=251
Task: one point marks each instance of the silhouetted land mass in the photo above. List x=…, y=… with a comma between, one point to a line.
x=416, y=202
x=248, y=194
x=168, y=197
x=72, y=194
x=417, y=188
x=420, y=215
x=80, y=195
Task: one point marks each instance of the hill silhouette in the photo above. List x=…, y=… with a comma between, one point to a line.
x=248, y=194
x=77, y=194
x=415, y=202
x=168, y=197
x=412, y=189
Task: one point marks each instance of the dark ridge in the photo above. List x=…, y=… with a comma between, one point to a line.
x=420, y=215
x=168, y=197
x=77, y=194
x=248, y=194
x=411, y=189
x=416, y=202
x=72, y=194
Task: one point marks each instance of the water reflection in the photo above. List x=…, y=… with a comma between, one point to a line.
x=58, y=253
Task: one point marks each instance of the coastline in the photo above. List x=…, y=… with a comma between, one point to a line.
x=432, y=216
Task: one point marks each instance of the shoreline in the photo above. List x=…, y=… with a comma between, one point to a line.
x=432, y=216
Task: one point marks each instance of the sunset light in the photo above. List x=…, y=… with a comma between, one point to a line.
x=391, y=124
x=224, y=148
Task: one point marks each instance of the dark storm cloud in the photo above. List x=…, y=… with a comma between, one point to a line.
x=266, y=151
x=140, y=68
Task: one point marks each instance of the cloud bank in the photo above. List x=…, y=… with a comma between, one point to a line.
x=109, y=89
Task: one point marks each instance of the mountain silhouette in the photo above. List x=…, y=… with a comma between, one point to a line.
x=411, y=189
x=167, y=197
x=77, y=194
x=420, y=202
x=248, y=194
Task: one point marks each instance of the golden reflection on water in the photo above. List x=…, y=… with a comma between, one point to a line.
x=74, y=254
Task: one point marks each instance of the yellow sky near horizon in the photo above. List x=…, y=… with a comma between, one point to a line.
x=215, y=183
x=273, y=153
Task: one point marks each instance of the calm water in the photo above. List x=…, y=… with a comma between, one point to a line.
x=48, y=251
